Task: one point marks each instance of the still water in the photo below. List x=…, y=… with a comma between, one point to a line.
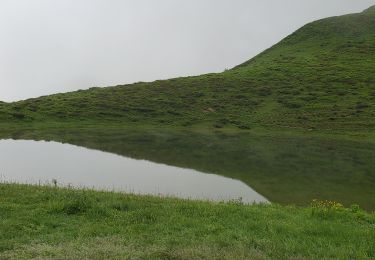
x=42, y=162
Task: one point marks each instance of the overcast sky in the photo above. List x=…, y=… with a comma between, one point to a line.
x=49, y=46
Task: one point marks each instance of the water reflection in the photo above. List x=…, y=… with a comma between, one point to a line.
x=286, y=170
x=35, y=162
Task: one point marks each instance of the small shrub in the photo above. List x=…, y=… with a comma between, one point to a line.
x=224, y=121
x=76, y=206
x=237, y=201
x=144, y=217
x=326, y=208
x=218, y=125
x=361, y=105
x=18, y=115
x=243, y=126
x=73, y=203
x=342, y=92
x=304, y=118
x=265, y=91
x=292, y=105
x=121, y=206
x=355, y=208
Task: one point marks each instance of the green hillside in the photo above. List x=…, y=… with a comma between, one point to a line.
x=322, y=76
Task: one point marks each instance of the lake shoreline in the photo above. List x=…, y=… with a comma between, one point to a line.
x=360, y=135
x=50, y=222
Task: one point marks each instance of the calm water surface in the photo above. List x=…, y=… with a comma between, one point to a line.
x=40, y=162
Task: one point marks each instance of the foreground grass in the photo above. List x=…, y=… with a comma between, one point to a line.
x=45, y=222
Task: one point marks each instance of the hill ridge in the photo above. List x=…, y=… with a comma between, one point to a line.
x=322, y=76
x=371, y=10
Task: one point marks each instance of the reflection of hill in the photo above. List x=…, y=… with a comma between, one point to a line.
x=283, y=169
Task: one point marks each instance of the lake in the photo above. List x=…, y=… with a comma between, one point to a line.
x=40, y=162
x=283, y=169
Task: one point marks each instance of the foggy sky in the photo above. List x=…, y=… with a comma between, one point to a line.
x=50, y=46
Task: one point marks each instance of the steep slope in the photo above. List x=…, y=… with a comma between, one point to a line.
x=322, y=76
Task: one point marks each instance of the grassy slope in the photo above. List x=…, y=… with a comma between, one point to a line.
x=320, y=77
x=54, y=223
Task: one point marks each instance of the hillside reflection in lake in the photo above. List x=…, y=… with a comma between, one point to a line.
x=34, y=162
x=283, y=169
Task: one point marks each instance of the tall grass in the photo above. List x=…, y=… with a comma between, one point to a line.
x=46, y=222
